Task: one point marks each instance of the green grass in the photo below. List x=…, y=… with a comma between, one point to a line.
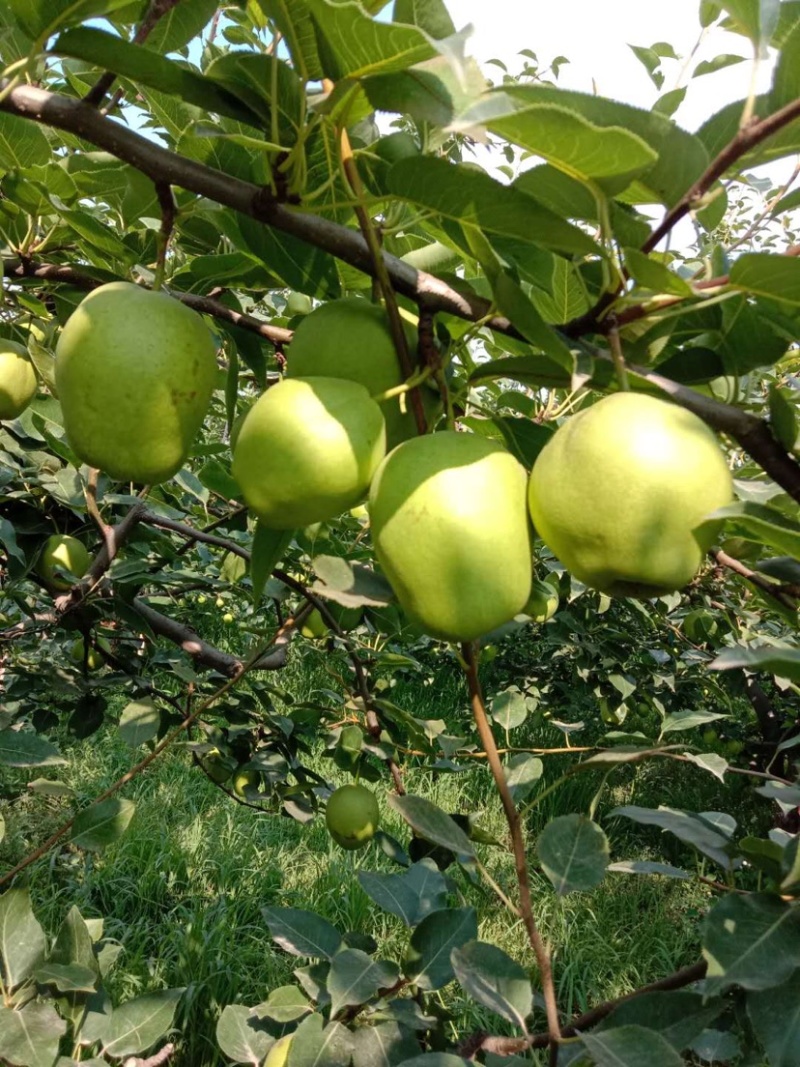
x=182, y=891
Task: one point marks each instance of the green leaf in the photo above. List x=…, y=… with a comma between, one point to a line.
x=137, y=1024
x=688, y=827
x=384, y=1045
x=316, y=1045
x=679, y=1017
x=775, y=1015
x=293, y=20
x=251, y=78
x=352, y=45
x=180, y=25
x=783, y=417
x=429, y=821
x=351, y=584
x=751, y=941
x=764, y=524
x=427, y=961
x=756, y=19
x=285, y=1004
x=20, y=748
x=509, y=709
x=412, y=895
x=780, y=660
x=522, y=772
x=469, y=196
x=631, y=1046
x=267, y=551
x=495, y=980
x=721, y=128
x=241, y=1036
x=687, y=720
x=773, y=276
x=145, y=67
x=711, y=66
x=22, y=940
x=355, y=978
x=31, y=1035
x=646, y=867
x=429, y=15
x=73, y=943
x=302, y=933
x=8, y=539
x=513, y=302
x=102, y=824
x=22, y=143
x=574, y=852
x=139, y=722
x=649, y=273
x=67, y=977
x=41, y=18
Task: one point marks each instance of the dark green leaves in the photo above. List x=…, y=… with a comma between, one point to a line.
x=302, y=933
x=20, y=748
x=102, y=824
x=428, y=961
x=494, y=980
x=432, y=823
x=355, y=978
x=22, y=940
x=573, y=851
x=751, y=941
x=137, y=1024
x=411, y=895
x=776, y=277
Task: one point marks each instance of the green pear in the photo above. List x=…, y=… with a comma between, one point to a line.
x=351, y=339
x=17, y=379
x=351, y=816
x=135, y=370
x=245, y=782
x=542, y=603
x=61, y=552
x=450, y=530
x=620, y=491
x=307, y=451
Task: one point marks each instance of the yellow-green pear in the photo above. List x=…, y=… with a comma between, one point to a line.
x=450, y=530
x=351, y=816
x=620, y=491
x=135, y=370
x=542, y=603
x=244, y=782
x=17, y=379
x=308, y=450
x=61, y=552
x=351, y=339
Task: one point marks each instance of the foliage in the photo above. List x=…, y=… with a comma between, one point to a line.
x=255, y=161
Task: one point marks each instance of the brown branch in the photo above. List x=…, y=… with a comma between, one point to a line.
x=786, y=595
x=510, y=1046
x=169, y=211
x=468, y=651
x=156, y=1060
x=160, y=164
x=182, y=528
x=157, y=9
x=201, y=651
x=206, y=305
x=746, y=138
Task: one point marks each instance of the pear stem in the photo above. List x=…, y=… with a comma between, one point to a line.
x=470, y=663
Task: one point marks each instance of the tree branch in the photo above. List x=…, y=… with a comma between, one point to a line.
x=510, y=1046
x=204, y=653
x=206, y=305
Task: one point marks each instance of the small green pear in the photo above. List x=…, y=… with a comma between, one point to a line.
x=351, y=816
x=542, y=603
x=17, y=379
x=61, y=552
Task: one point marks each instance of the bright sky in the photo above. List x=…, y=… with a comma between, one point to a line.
x=597, y=46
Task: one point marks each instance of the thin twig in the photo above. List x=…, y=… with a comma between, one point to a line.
x=515, y=827
x=786, y=595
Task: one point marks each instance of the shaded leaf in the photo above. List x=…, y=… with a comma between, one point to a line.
x=573, y=851
x=302, y=933
x=101, y=824
x=430, y=822
x=411, y=895
x=355, y=978
x=427, y=960
x=494, y=979
x=22, y=940
x=752, y=941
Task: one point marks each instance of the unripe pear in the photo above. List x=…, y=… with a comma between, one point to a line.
x=245, y=781
x=542, y=603
x=135, y=370
x=352, y=815
x=620, y=491
x=308, y=450
x=17, y=379
x=62, y=552
x=351, y=339
x=450, y=530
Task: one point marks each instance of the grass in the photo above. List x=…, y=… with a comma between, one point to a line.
x=182, y=890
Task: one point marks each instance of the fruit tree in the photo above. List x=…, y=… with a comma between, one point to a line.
x=325, y=356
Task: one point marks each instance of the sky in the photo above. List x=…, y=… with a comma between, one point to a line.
x=595, y=37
